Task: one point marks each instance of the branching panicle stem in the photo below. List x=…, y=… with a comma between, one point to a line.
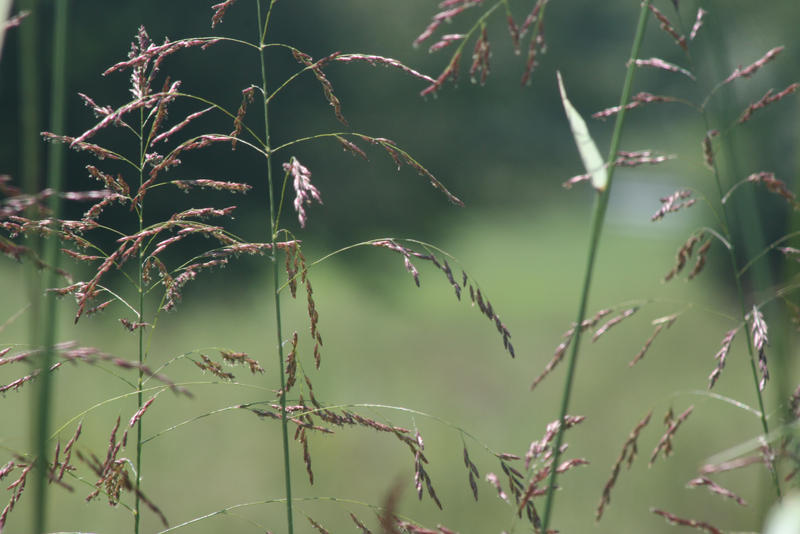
x=273, y=228
x=598, y=217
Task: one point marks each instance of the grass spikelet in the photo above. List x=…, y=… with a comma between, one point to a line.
x=667, y=26
x=492, y=479
x=698, y=23
x=479, y=70
x=660, y=324
x=472, y=474
x=141, y=411
x=627, y=455
x=18, y=487
x=613, y=322
x=351, y=147
x=720, y=357
x=449, y=73
x=291, y=364
x=773, y=185
x=68, y=452
x=360, y=524
x=385, y=61
x=658, y=63
x=701, y=259
x=766, y=100
x=241, y=358
x=303, y=438
x=693, y=523
x=305, y=192
x=561, y=350
x=746, y=72
x=684, y=252
x=327, y=88
x=219, y=11
x=713, y=487
x=760, y=341
x=214, y=368
x=665, y=443
x=317, y=526
x=638, y=100
x=673, y=203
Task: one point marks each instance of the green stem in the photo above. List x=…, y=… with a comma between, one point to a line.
x=262, y=31
x=740, y=292
x=55, y=178
x=598, y=217
x=140, y=305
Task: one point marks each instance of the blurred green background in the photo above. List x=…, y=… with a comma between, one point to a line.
x=504, y=149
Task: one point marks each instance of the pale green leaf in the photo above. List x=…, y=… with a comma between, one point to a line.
x=592, y=160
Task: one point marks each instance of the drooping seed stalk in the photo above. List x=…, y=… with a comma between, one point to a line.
x=740, y=293
x=598, y=218
x=752, y=238
x=263, y=24
x=47, y=333
x=751, y=230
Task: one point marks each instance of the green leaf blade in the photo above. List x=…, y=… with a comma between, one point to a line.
x=590, y=155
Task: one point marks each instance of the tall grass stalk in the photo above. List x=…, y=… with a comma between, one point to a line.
x=598, y=218
x=48, y=329
x=263, y=26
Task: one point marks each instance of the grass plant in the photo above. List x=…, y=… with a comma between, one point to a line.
x=142, y=239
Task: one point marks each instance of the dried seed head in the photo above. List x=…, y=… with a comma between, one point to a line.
x=305, y=192
x=746, y=72
x=766, y=100
x=628, y=453
x=720, y=357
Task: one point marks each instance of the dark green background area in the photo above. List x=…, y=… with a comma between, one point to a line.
x=505, y=150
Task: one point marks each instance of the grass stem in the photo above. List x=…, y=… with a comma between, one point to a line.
x=262, y=31
x=598, y=218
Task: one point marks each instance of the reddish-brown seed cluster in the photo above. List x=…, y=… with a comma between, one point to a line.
x=720, y=357
x=113, y=476
x=17, y=487
x=675, y=520
x=685, y=252
x=385, y=61
x=660, y=324
x=539, y=463
x=658, y=63
x=713, y=487
x=305, y=192
x=219, y=11
x=766, y=100
x=637, y=100
x=698, y=23
x=561, y=350
x=477, y=298
x=665, y=443
x=627, y=455
x=296, y=266
x=758, y=329
x=613, y=322
x=472, y=474
x=667, y=26
x=479, y=70
x=773, y=185
x=673, y=203
x=746, y=72
x=327, y=88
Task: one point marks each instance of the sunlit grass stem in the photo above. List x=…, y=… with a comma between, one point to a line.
x=598, y=218
x=263, y=24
